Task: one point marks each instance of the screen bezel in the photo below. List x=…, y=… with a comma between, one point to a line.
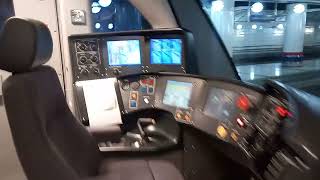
x=105, y=53
x=168, y=64
x=165, y=67
x=190, y=96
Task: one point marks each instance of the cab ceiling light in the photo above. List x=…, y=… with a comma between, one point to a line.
x=97, y=25
x=217, y=6
x=110, y=26
x=95, y=7
x=105, y=3
x=280, y=26
x=254, y=26
x=257, y=7
x=299, y=8
x=239, y=26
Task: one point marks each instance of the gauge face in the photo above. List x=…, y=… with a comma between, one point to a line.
x=125, y=85
x=221, y=104
x=135, y=85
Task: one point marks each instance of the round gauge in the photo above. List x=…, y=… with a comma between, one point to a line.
x=135, y=85
x=125, y=85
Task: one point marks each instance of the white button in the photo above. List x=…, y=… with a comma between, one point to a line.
x=146, y=100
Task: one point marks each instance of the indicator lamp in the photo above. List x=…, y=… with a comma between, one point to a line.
x=243, y=103
x=283, y=112
x=240, y=122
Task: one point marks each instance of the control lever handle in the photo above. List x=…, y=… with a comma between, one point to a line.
x=142, y=122
x=152, y=130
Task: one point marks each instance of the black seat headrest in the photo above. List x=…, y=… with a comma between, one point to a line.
x=24, y=44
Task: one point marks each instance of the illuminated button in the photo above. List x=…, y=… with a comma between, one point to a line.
x=133, y=104
x=187, y=117
x=178, y=115
x=234, y=136
x=241, y=122
x=134, y=96
x=222, y=132
x=151, y=82
x=146, y=100
x=243, y=103
x=282, y=111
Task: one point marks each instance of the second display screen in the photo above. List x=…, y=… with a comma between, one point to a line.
x=166, y=51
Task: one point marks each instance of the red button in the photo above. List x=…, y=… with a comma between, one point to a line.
x=243, y=103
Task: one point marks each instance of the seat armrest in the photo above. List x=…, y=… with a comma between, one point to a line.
x=106, y=133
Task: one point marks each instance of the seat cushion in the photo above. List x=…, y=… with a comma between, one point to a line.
x=113, y=169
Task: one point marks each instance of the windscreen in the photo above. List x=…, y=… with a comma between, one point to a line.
x=124, y=52
x=177, y=94
x=166, y=51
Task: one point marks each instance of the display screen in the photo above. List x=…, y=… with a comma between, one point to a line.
x=166, y=51
x=221, y=104
x=126, y=52
x=177, y=94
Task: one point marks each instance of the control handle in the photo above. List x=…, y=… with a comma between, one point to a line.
x=143, y=122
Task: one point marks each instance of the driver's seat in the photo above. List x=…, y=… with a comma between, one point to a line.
x=50, y=142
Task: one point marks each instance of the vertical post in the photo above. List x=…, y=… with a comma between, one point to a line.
x=222, y=15
x=294, y=34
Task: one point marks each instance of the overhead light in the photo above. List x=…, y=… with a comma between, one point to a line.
x=309, y=30
x=254, y=26
x=95, y=8
x=299, y=8
x=217, y=6
x=257, y=7
x=280, y=26
x=110, y=26
x=239, y=26
x=97, y=25
x=105, y=3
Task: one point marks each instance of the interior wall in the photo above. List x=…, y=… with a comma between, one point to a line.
x=64, y=8
x=45, y=11
x=10, y=167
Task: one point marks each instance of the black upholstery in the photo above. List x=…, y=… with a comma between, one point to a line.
x=50, y=142
x=25, y=44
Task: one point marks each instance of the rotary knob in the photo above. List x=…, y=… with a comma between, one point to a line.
x=84, y=71
x=83, y=60
x=116, y=72
x=96, y=71
x=94, y=59
x=82, y=46
x=93, y=47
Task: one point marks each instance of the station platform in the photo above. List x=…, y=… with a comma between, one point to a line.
x=306, y=76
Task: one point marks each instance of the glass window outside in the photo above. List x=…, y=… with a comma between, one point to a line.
x=116, y=15
x=271, y=40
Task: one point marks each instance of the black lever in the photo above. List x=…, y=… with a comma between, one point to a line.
x=142, y=122
x=152, y=130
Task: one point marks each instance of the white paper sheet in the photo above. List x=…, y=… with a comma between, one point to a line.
x=101, y=101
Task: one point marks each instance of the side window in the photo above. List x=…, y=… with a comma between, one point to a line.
x=116, y=15
x=270, y=39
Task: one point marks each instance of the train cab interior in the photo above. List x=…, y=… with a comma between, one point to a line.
x=150, y=90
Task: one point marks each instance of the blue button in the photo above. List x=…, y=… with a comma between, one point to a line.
x=133, y=103
x=143, y=89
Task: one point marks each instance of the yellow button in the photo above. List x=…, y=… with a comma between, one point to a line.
x=222, y=132
x=234, y=136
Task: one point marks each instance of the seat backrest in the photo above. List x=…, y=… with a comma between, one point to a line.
x=50, y=142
